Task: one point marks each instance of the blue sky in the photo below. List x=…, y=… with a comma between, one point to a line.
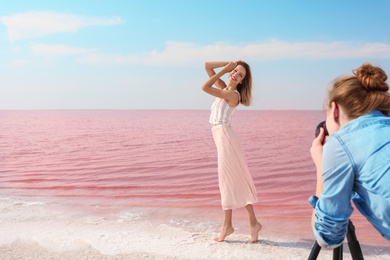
x=150, y=54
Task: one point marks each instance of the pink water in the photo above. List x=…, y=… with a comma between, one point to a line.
x=104, y=161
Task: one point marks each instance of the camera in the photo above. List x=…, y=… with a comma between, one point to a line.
x=323, y=125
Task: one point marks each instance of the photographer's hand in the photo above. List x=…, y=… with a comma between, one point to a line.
x=316, y=148
x=316, y=154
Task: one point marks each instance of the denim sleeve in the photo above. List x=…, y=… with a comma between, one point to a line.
x=333, y=209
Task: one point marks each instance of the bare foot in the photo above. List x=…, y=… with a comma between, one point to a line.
x=255, y=232
x=224, y=233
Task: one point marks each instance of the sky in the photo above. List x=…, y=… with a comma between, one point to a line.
x=150, y=54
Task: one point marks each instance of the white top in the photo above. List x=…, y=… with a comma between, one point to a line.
x=221, y=112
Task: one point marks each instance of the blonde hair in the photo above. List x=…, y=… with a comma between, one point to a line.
x=362, y=93
x=245, y=88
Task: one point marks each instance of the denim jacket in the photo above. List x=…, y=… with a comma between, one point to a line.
x=355, y=165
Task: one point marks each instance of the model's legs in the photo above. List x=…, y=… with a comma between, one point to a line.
x=255, y=226
x=227, y=227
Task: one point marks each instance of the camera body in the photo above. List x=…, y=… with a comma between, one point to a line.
x=323, y=125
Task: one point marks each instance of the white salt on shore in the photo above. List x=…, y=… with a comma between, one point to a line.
x=39, y=231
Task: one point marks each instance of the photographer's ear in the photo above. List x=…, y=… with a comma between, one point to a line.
x=335, y=109
x=333, y=118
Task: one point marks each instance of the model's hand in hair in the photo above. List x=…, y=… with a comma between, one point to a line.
x=230, y=66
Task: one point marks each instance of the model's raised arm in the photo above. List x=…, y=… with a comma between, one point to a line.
x=210, y=66
x=229, y=95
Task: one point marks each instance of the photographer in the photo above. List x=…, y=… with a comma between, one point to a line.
x=353, y=163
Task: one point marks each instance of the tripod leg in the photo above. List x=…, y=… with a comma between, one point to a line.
x=315, y=250
x=353, y=243
x=338, y=253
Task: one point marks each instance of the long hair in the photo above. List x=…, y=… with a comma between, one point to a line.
x=363, y=92
x=245, y=87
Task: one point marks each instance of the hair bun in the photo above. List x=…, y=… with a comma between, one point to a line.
x=372, y=78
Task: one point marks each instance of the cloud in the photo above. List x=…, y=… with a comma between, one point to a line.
x=100, y=58
x=40, y=23
x=56, y=50
x=182, y=53
x=19, y=62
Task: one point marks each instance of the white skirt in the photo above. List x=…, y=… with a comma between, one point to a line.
x=235, y=182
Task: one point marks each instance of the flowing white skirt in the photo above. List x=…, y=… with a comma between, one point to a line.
x=235, y=182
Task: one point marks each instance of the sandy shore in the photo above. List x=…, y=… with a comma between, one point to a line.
x=35, y=230
x=142, y=242
x=201, y=249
